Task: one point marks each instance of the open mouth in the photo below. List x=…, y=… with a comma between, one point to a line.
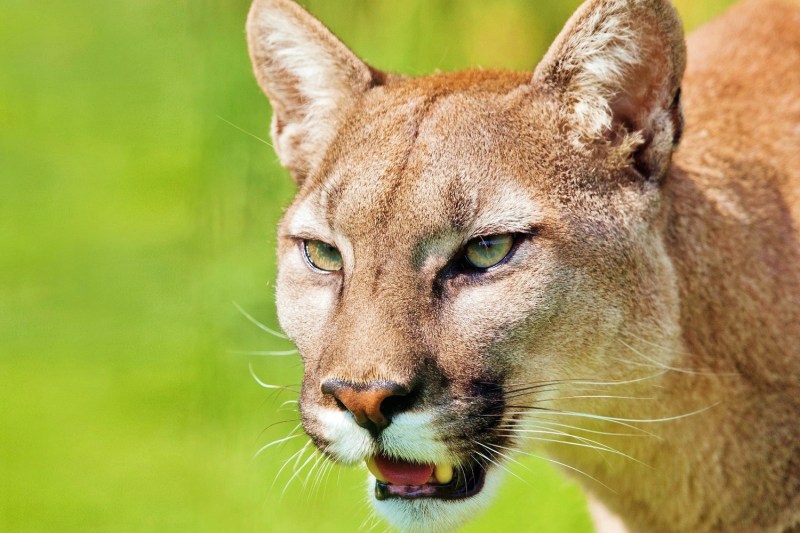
x=396, y=478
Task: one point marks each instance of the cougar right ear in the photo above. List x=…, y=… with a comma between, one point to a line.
x=310, y=77
x=617, y=67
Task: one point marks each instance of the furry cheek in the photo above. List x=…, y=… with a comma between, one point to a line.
x=302, y=305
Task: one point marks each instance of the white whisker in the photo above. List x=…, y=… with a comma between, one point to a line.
x=551, y=431
x=621, y=422
x=631, y=420
x=265, y=353
x=565, y=466
x=267, y=385
x=517, y=388
x=583, y=381
x=323, y=475
x=370, y=519
x=600, y=447
x=508, y=457
x=298, y=454
x=275, y=443
x=658, y=364
x=282, y=407
x=304, y=482
x=297, y=471
x=594, y=396
x=259, y=325
x=597, y=449
x=498, y=465
x=641, y=433
x=254, y=136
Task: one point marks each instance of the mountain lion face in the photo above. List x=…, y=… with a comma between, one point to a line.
x=438, y=272
x=479, y=260
x=467, y=251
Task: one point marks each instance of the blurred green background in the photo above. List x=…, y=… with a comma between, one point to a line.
x=137, y=205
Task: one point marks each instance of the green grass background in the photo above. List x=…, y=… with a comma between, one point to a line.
x=134, y=210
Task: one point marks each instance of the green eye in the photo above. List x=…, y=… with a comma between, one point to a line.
x=486, y=252
x=322, y=256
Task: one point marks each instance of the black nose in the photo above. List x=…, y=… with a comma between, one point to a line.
x=372, y=403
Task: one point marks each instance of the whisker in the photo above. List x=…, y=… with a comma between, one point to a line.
x=297, y=461
x=642, y=433
x=582, y=381
x=298, y=454
x=596, y=449
x=278, y=441
x=464, y=472
x=644, y=365
x=278, y=423
x=366, y=504
x=297, y=471
x=508, y=457
x=551, y=431
x=304, y=482
x=259, y=325
x=324, y=474
x=267, y=385
x=659, y=364
x=256, y=137
x=564, y=465
x=537, y=386
x=595, y=396
x=574, y=396
x=621, y=420
x=265, y=353
x=600, y=448
x=523, y=392
x=498, y=465
x=543, y=411
x=371, y=518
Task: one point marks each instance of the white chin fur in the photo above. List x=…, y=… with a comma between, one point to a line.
x=428, y=515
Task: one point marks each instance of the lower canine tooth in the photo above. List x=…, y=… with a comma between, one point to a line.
x=443, y=473
x=373, y=468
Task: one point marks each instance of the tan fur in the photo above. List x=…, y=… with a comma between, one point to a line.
x=665, y=285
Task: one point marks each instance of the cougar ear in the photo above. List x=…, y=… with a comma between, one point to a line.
x=617, y=66
x=310, y=77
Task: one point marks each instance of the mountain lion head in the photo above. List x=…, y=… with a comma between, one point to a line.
x=475, y=259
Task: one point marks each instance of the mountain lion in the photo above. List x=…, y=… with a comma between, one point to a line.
x=598, y=262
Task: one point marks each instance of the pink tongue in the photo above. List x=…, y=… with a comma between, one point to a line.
x=402, y=473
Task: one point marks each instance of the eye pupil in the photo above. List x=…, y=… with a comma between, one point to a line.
x=322, y=256
x=486, y=252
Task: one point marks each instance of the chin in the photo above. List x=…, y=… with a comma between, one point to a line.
x=428, y=514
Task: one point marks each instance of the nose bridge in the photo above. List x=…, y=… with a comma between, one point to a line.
x=374, y=337
x=375, y=360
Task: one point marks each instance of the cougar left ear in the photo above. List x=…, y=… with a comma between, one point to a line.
x=617, y=66
x=311, y=78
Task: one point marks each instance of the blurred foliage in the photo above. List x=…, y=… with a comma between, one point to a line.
x=137, y=205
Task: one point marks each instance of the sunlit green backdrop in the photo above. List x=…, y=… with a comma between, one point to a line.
x=137, y=205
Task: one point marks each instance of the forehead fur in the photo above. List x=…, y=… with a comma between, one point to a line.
x=442, y=145
x=437, y=144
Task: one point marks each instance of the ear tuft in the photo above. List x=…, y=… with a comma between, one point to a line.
x=310, y=77
x=617, y=65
